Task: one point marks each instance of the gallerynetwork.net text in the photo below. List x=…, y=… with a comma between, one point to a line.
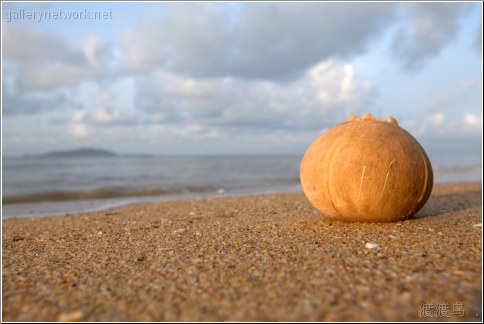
x=40, y=15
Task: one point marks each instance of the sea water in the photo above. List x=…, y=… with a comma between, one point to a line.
x=34, y=186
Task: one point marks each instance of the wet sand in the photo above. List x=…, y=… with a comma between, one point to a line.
x=253, y=258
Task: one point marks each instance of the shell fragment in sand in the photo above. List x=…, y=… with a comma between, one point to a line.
x=371, y=245
x=478, y=225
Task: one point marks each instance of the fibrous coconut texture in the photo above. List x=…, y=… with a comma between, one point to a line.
x=367, y=169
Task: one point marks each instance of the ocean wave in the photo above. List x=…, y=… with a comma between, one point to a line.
x=459, y=169
x=101, y=193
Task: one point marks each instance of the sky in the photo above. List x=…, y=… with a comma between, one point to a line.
x=236, y=78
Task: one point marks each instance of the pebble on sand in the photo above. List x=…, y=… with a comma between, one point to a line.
x=70, y=317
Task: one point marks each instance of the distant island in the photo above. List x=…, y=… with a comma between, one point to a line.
x=81, y=152
x=85, y=152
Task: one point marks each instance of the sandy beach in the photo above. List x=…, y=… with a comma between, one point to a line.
x=251, y=258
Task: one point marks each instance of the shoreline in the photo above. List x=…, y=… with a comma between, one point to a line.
x=75, y=207
x=268, y=257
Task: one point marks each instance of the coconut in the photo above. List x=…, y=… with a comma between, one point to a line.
x=367, y=169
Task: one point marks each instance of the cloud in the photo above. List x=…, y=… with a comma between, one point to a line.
x=326, y=94
x=21, y=99
x=102, y=116
x=237, y=109
x=427, y=29
x=205, y=40
x=201, y=131
x=79, y=130
x=37, y=46
x=438, y=125
x=438, y=118
x=471, y=119
x=478, y=39
x=248, y=73
x=466, y=83
x=45, y=60
x=430, y=124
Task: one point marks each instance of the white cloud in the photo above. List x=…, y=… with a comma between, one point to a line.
x=105, y=112
x=472, y=119
x=347, y=84
x=91, y=45
x=205, y=40
x=437, y=118
x=327, y=93
x=478, y=38
x=334, y=84
x=427, y=29
x=208, y=72
x=45, y=60
x=202, y=131
x=104, y=109
x=431, y=123
x=79, y=116
x=79, y=130
x=19, y=98
x=465, y=84
x=437, y=125
x=55, y=74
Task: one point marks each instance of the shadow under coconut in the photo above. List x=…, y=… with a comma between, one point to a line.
x=453, y=202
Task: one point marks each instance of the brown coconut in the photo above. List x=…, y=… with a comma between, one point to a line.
x=367, y=169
